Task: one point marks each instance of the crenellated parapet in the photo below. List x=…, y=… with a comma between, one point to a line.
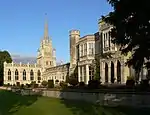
x=20, y=65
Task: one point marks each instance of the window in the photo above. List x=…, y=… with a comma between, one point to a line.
x=9, y=74
x=39, y=75
x=85, y=49
x=91, y=48
x=16, y=75
x=24, y=75
x=31, y=75
x=91, y=73
x=81, y=50
x=46, y=62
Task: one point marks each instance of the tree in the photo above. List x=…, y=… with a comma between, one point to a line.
x=96, y=66
x=73, y=78
x=4, y=56
x=131, y=30
x=97, y=70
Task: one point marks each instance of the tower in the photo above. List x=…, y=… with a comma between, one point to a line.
x=74, y=38
x=46, y=54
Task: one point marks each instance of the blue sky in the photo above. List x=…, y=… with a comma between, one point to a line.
x=22, y=23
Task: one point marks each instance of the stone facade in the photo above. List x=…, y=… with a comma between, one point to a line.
x=22, y=73
x=84, y=51
x=57, y=73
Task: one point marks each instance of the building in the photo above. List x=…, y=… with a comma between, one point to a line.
x=26, y=73
x=84, y=52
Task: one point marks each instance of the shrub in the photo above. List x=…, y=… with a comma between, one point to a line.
x=44, y=83
x=56, y=80
x=130, y=83
x=81, y=84
x=144, y=85
x=73, y=81
x=35, y=85
x=28, y=85
x=63, y=84
x=94, y=84
x=22, y=86
x=8, y=84
x=50, y=84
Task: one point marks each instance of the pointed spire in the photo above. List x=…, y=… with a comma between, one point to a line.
x=46, y=27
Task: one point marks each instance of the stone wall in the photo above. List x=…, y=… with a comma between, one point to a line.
x=111, y=99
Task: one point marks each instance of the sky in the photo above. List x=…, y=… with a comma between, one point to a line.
x=22, y=23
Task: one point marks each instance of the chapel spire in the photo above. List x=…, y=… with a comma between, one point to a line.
x=46, y=27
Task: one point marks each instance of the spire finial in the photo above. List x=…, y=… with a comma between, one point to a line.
x=46, y=27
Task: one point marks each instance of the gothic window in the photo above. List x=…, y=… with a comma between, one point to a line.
x=31, y=75
x=24, y=74
x=9, y=74
x=16, y=75
x=39, y=75
x=85, y=49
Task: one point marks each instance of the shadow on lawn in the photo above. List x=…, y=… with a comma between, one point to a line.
x=84, y=108
x=11, y=102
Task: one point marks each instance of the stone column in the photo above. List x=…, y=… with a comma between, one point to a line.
x=124, y=73
x=115, y=73
x=79, y=74
x=87, y=74
x=83, y=74
x=102, y=72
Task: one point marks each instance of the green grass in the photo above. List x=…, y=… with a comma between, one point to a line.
x=12, y=104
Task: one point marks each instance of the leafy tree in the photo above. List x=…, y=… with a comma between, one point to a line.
x=4, y=56
x=73, y=81
x=131, y=30
x=96, y=66
x=73, y=78
x=97, y=70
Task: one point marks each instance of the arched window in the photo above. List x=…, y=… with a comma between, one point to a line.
x=24, y=74
x=31, y=75
x=9, y=74
x=39, y=75
x=16, y=75
x=46, y=62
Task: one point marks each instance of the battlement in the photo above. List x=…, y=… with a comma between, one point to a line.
x=74, y=32
x=20, y=65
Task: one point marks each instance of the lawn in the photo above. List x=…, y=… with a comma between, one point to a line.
x=12, y=104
